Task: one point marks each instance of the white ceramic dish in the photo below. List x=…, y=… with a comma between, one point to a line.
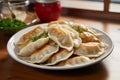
x=11, y=50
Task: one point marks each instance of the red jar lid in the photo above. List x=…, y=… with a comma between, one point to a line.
x=46, y=1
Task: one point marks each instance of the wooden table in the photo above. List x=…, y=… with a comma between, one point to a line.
x=108, y=69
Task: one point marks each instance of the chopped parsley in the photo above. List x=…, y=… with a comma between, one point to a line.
x=34, y=38
x=45, y=34
x=11, y=23
x=80, y=30
x=10, y=26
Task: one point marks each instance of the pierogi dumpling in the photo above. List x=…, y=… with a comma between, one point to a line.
x=88, y=37
x=75, y=61
x=62, y=55
x=43, y=54
x=75, y=35
x=36, y=31
x=77, y=26
x=25, y=39
x=91, y=49
x=60, y=36
x=33, y=46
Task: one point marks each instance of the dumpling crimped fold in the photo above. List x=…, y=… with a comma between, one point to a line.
x=75, y=61
x=91, y=49
x=62, y=55
x=74, y=34
x=24, y=40
x=60, y=36
x=88, y=37
x=33, y=46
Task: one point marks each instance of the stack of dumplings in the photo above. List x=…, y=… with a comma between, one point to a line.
x=60, y=43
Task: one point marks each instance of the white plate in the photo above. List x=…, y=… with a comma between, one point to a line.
x=11, y=50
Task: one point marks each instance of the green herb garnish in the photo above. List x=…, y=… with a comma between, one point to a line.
x=80, y=30
x=45, y=34
x=11, y=26
x=11, y=23
x=72, y=26
x=34, y=38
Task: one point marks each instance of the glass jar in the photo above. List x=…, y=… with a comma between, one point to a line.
x=48, y=10
x=18, y=7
